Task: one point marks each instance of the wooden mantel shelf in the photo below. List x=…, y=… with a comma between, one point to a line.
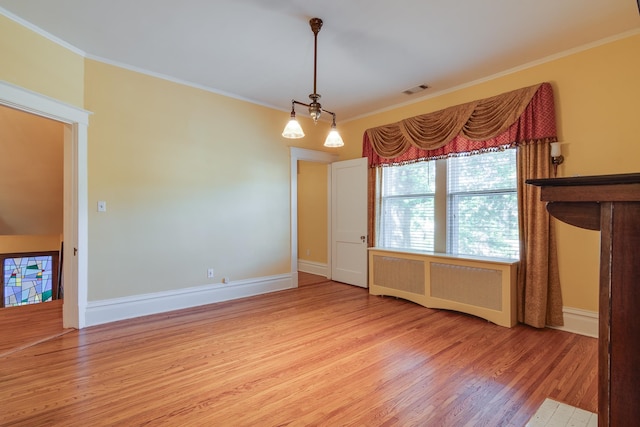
x=602, y=188
x=610, y=204
x=577, y=200
x=572, y=181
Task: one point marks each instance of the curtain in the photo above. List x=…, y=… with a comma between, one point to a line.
x=538, y=305
x=523, y=118
x=373, y=204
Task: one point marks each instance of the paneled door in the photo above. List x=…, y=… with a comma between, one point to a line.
x=349, y=222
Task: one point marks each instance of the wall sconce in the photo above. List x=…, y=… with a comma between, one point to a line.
x=556, y=157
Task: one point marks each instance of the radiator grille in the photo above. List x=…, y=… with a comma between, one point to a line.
x=399, y=273
x=468, y=285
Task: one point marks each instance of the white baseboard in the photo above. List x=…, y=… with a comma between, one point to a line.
x=105, y=311
x=579, y=321
x=312, y=267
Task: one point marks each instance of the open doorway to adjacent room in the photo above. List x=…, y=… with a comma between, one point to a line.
x=313, y=165
x=31, y=228
x=31, y=208
x=69, y=243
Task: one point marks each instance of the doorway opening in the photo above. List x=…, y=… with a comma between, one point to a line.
x=301, y=154
x=75, y=226
x=31, y=208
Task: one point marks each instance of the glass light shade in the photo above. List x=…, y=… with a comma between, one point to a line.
x=293, y=130
x=315, y=114
x=555, y=149
x=333, y=139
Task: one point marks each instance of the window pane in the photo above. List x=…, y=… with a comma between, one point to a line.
x=411, y=179
x=484, y=225
x=407, y=211
x=407, y=223
x=482, y=209
x=487, y=171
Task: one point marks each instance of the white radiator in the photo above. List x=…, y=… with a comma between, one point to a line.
x=478, y=286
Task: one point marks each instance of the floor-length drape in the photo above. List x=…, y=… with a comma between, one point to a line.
x=538, y=289
x=373, y=203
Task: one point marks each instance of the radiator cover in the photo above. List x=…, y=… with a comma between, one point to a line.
x=478, y=286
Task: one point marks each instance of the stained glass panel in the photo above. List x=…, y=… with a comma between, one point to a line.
x=28, y=280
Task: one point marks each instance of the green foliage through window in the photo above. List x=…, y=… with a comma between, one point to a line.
x=481, y=205
x=408, y=203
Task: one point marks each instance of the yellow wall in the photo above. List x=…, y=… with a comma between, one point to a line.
x=31, y=61
x=312, y=212
x=596, y=92
x=31, y=174
x=29, y=243
x=192, y=180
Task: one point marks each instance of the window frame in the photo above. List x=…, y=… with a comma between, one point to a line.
x=442, y=226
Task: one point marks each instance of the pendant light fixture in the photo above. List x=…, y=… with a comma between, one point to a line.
x=293, y=129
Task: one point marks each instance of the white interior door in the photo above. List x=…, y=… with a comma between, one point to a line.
x=349, y=222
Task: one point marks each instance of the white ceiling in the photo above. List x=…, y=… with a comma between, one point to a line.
x=369, y=51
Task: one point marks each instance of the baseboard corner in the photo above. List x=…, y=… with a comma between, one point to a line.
x=313, y=267
x=578, y=321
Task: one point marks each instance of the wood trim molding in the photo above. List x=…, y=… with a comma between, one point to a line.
x=111, y=310
x=312, y=267
x=581, y=322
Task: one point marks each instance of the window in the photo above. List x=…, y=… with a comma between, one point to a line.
x=407, y=209
x=482, y=205
x=476, y=197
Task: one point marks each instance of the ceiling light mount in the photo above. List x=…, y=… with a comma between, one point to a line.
x=316, y=25
x=293, y=128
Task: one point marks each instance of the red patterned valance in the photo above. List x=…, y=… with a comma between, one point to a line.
x=517, y=117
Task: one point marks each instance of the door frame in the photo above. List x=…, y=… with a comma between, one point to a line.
x=75, y=227
x=309, y=156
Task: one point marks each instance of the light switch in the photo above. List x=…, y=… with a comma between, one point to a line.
x=102, y=206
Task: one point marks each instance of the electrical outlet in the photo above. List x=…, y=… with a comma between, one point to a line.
x=210, y=273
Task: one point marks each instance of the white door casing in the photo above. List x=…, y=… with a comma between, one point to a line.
x=349, y=222
x=75, y=192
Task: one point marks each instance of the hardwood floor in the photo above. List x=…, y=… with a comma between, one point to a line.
x=325, y=354
x=305, y=279
x=27, y=325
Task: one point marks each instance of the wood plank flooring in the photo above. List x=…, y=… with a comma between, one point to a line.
x=27, y=325
x=325, y=354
